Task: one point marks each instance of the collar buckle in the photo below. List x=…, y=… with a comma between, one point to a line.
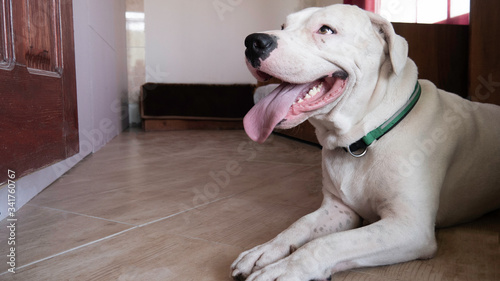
x=365, y=149
x=377, y=133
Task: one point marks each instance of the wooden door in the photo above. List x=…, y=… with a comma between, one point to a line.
x=440, y=52
x=484, y=59
x=38, y=111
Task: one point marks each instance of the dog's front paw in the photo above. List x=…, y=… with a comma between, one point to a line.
x=258, y=258
x=284, y=270
x=279, y=271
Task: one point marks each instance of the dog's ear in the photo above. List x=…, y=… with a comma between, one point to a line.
x=397, y=45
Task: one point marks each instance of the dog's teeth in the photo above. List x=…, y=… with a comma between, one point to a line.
x=312, y=92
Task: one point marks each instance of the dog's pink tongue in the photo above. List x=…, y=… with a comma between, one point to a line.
x=269, y=111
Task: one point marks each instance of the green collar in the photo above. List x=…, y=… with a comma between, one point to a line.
x=383, y=129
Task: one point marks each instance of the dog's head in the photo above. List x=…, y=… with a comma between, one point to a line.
x=323, y=55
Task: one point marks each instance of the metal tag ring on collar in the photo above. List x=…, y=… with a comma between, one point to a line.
x=357, y=155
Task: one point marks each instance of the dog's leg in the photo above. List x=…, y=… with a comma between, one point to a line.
x=332, y=216
x=390, y=240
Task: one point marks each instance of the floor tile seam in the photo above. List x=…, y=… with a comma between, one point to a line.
x=72, y=249
x=80, y=214
x=191, y=209
x=187, y=210
x=203, y=240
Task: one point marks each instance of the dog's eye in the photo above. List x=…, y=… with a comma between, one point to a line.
x=326, y=30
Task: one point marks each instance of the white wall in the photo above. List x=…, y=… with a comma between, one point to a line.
x=201, y=41
x=100, y=52
x=101, y=74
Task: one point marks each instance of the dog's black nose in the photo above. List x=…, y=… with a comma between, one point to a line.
x=259, y=47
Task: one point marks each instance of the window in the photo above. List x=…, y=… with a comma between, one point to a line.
x=419, y=11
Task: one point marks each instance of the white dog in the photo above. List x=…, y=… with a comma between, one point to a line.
x=349, y=74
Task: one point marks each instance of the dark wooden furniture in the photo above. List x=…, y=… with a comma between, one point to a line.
x=194, y=106
x=484, y=58
x=440, y=52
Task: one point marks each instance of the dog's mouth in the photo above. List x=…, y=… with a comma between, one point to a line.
x=290, y=102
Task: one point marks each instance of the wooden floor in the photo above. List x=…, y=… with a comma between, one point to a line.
x=183, y=205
